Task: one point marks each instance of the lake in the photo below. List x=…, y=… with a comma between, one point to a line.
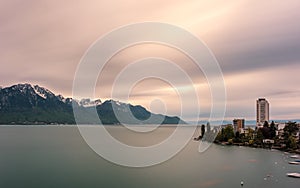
x=57, y=156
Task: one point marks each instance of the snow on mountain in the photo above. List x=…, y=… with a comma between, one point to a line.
x=89, y=102
x=39, y=93
x=35, y=90
x=43, y=92
x=61, y=98
x=23, y=88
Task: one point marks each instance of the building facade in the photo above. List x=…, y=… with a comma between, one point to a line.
x=238, y=124
x=262, y=111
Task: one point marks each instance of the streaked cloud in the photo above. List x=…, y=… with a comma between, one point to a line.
x=255, y=42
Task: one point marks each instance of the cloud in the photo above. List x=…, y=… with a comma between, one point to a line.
x=256, y=44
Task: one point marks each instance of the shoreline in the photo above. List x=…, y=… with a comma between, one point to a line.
x=288, y=150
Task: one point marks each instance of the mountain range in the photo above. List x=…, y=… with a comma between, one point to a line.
x=32, y=104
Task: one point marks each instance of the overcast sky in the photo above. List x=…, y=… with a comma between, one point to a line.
x=257, y=44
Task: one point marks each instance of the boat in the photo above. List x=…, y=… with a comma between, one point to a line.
x=295, y=156
x=293, y=175
x=297, y=160
x=294, y=162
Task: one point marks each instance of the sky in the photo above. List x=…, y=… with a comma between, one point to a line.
x=256, y=44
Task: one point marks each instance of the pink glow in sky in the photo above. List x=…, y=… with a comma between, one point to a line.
x=256, y=43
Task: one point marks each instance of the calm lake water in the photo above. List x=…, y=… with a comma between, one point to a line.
x=54, y=156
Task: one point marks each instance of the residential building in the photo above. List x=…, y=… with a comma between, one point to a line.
x=238, y=124
x=262, y=111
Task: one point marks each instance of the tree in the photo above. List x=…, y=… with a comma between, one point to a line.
x=202, y=130
x=272, y=130
x=266, y=124
x=225, y=134
x=291, y=143
x=299, y=138
x=237, y=137
x=228, y=133
x=265, y=132
x=220, y=135
x=259, y=137
x=290, y=129
x=250, y=133
x=208, y=128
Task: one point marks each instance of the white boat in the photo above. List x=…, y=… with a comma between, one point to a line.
x=294, y=162
x=295, y=156
x=293, y=175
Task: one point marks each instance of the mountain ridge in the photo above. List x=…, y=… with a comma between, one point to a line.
x=32, y=104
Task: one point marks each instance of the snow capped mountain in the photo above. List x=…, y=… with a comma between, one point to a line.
x=89, y=102
x=27, y=104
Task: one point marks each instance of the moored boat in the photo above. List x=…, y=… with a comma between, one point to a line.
x=293, y=175
x=294, y=162
x=295, y=156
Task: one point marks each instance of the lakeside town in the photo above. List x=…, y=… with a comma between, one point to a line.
x=266, y=134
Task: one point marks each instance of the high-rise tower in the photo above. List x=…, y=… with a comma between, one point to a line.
x=262, y=111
